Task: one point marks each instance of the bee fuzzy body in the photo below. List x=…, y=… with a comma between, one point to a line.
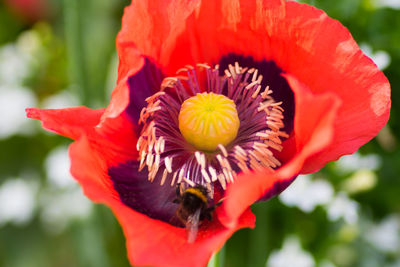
x=193, y=208
x=192, y=199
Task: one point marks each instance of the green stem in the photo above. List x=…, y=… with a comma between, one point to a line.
x=218, y=259
x=75, y=48
x=258, y=237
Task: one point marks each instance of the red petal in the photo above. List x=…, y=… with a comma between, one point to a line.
x=70, y=122
x=305, y=42
x=314, y=131
x=114, y=137
x=149, y=241
x=90, y=170
x=155, y=243
x=220, y=27
x=120, y=95
x=293, y=35
x=335, y=64
x=175, y=33
x=150, y=28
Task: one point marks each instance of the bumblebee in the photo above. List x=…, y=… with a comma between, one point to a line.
x=193, y=208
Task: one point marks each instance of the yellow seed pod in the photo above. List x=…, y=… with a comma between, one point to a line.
x=207, y=120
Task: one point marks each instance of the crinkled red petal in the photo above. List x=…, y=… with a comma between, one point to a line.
x=149, y=242
x=313, y=132
x=301, y=39
x=114, y=137
x=90, y=170
x=175, y=33
x=69, y=122
x=335, y=64
x=306, y=43
x=150, y=28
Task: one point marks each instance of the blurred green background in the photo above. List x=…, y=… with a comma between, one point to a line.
x=60, y=53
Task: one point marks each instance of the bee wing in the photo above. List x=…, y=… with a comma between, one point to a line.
x=192, y=225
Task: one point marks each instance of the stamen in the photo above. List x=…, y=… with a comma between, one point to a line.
x=223, y=150
x=189, y=182
x=180, y=176
x=205, y=175
x=173, y=178
x=213, y=173
x=221, y=179
x=168, y=164
x=164, y=176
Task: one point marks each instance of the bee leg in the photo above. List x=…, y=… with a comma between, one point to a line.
x=211, y=209
x=178, y=190
x=208, y=212
x=219, y=202
x=176, y=200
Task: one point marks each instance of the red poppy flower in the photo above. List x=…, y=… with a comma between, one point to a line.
x=304, y=93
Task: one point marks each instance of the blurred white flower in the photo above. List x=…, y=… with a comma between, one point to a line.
x=356, y=161
x=61, y=207
x=380, y=58
x=306, y=194
x=388, y=3
x=14, y=65
x=57, y=166
x=17, y=201
x=290, y=255
x=385, y=236
x=17, y=59
x=63, y=99
x=13, y=101
x=343, y=207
